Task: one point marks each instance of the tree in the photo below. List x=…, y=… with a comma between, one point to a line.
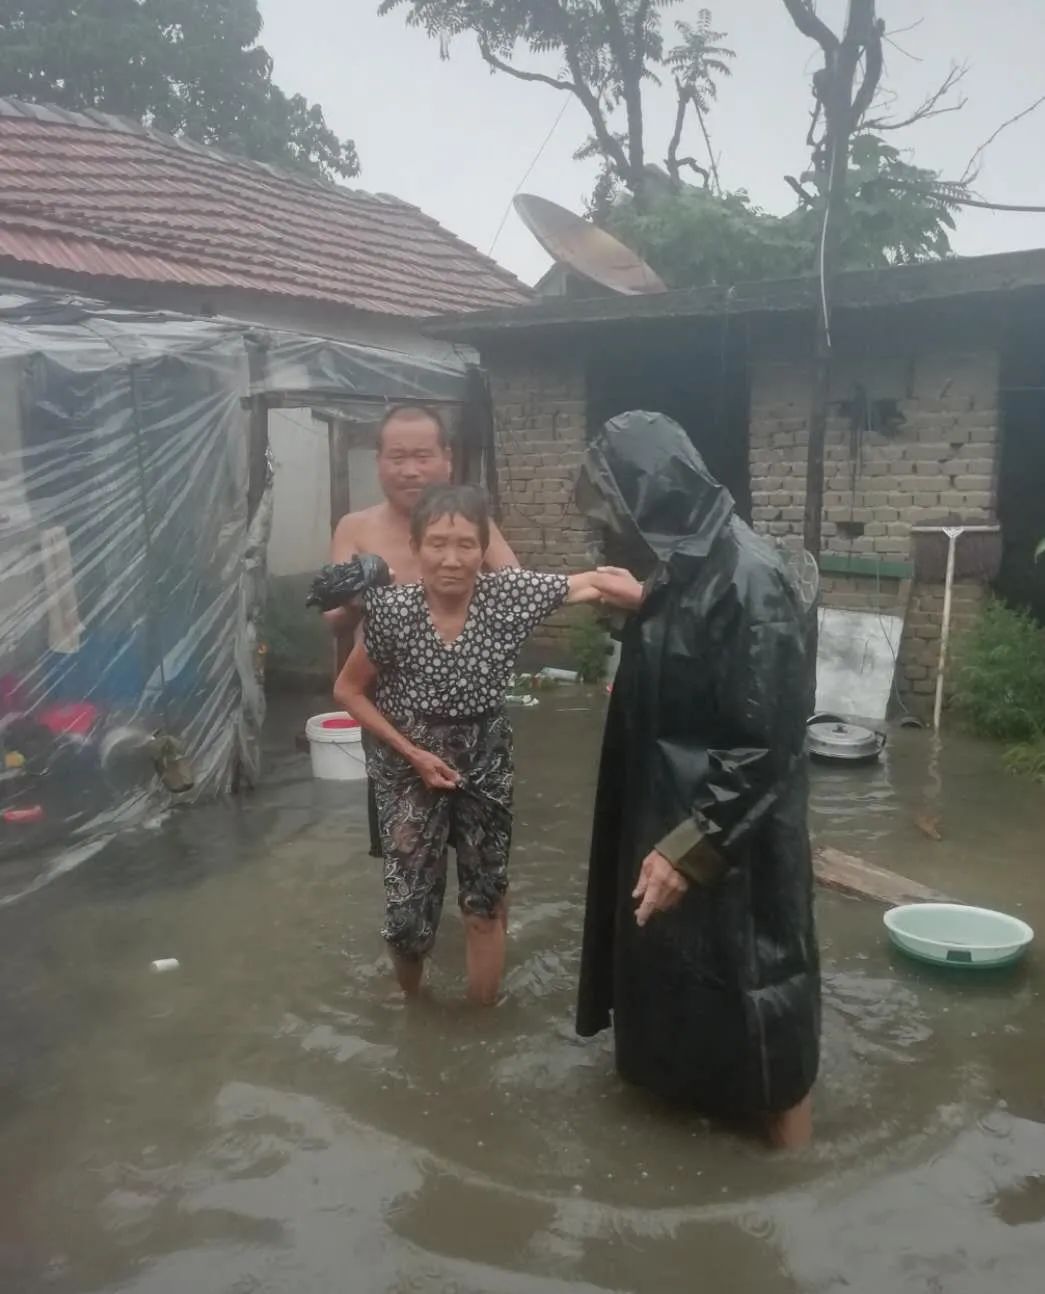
x=895, y=214
x=845, y=91
x=188, y=67
x=609, y=51
x=607, y=48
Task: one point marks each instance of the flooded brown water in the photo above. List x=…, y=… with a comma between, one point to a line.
x=271, y=1118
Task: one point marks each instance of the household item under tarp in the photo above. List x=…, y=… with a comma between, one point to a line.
x=132, y=566
x=856, y=662
x=955, y=935
x=336, y=746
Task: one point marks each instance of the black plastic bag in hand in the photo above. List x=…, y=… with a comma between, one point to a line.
x=337, y=586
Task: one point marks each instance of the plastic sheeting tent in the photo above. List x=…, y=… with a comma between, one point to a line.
x=131, y=577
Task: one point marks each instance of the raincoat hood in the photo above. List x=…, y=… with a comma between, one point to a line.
x=645, y=481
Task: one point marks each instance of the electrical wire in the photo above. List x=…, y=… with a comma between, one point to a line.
x=529, y=170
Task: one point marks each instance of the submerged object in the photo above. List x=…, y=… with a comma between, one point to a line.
x=550, y=675
x=833, y=740
x=954, y=934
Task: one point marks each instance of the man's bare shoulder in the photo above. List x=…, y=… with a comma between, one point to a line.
x=354, y=528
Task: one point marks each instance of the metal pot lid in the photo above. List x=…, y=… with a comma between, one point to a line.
x=838, y=740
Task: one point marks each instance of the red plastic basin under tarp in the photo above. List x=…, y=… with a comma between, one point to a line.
x=78, y=718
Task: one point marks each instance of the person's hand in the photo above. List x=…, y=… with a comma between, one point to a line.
x=619, y=588
x=660, y=887
x=434, y=772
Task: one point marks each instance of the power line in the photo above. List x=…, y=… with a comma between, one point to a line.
x=529, y=170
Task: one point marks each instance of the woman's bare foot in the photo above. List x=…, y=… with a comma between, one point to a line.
x=409, y=974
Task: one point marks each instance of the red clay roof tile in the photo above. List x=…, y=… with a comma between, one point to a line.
x=94, y=195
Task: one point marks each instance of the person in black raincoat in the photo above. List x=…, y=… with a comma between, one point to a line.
x=700, y=815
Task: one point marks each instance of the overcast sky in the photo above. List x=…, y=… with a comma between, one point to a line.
x=456, y=140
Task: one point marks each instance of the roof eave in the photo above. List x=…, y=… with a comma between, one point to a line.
x=855, y=290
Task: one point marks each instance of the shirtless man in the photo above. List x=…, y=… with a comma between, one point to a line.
x=413, y=452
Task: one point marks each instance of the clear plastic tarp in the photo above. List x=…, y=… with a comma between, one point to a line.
x=131, y=577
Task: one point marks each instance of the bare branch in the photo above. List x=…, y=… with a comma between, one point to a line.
x=707, y=143
x=694, y=165
x=930, y=106
x=676, y=134
x=804, y=196
x=944, y=191
x=984, y=205
x=629, y=60
x=519, y=73
x=900, y=31
x=900, y=50
x=589, y=98
x=972, y=170
x=805, y=19
x=610, y=146
x=873, y=64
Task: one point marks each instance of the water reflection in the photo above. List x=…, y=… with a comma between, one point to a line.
x=273, y=1118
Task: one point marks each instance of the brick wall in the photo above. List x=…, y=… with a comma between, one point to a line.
x=920, y=647
x=940, y=465
x=540, y=418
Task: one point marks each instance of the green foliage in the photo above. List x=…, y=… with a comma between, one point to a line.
x=1027, y=759
x=894, y=213
x=187, y=67
x=1000, y=676
x=698, y=59
x=694, y=237
x=589, y=647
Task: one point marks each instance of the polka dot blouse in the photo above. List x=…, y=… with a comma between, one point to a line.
x=421, y=676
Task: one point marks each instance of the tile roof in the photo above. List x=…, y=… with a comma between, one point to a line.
x=94, y=195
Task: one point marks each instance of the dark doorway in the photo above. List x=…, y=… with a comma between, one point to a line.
x=696, y=375
x=1021, y=482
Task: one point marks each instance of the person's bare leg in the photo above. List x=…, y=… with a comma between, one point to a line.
x=485, y=952
x=792, y=1129
x=409, y=974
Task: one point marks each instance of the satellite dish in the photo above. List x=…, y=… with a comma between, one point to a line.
x=586, y=249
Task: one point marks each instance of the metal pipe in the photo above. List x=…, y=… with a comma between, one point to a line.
x=953, y=533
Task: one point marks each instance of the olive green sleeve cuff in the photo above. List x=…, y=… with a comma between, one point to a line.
x=690, y=852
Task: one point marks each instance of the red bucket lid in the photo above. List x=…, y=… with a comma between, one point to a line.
x=31, y=813
x=340, y=723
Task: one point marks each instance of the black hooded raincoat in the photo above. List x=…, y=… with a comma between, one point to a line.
x=715, y=1003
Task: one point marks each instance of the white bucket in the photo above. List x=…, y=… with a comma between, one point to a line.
x=335, y=742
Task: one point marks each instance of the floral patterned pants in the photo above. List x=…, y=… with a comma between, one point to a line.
x=416, y=825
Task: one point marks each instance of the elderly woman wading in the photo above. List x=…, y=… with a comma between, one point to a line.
x=428, y=682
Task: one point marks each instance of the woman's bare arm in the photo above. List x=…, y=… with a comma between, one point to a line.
x=610, y=585
x=352, y=693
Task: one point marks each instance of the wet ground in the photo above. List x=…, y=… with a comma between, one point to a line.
x=270, y=1118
